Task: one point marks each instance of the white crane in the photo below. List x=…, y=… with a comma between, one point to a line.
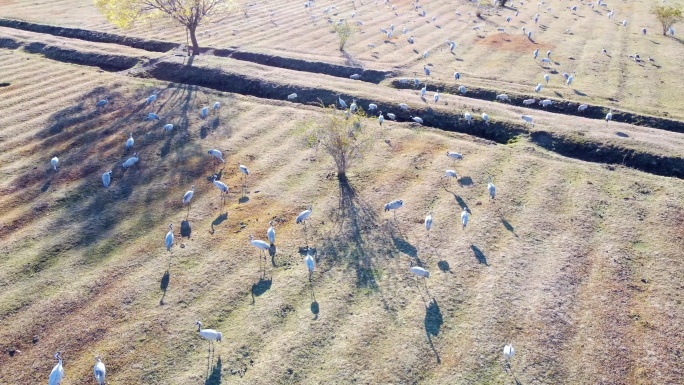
x=355, y=77
x=464, y=217
x=394, y=205
x=546, y=102
x=643, y=30
x=210, y=335
x=404, y=106
x=457, y=75
x=462, y=89
x=546, y=60
x=221, y=186
x=428, y=223
x=217, y=106
x=582, y=107
x=271, y=234
x=609, y=115
x=425, y=54
x=54, y=162
x=216, y=154
x=130, y=161
x=57, y=372
x=411, y=40
x=152, y=116
x=310, y=264
x=528, y=119
x=245, y=172
x=102, y=103
x=205, y=112
x=538, y=87
x=423, y=91
x=151, y=98
x=292, y=96
x=454, y=155
x=381, y=118
x=436, y=96
x=353, y=107
x=503, y=97
x=547, y=78
x=485, y=117
x=536, y=53
x=303, y=218
x=99, y=371
x=372, y=107
x=449, y=174
x=417, y=120
x=508, y=352
x=168, y=127
x=527, y=102
x=570, y=79
x=491, y=189
x=391, y=116
x=341, y=102
x=169, y=238
x=419, y=271
x=130, y=141
x=107, y=178
x=426, y=70
x=261, y=245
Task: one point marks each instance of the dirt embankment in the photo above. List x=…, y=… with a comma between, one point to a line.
x=106, y=62
x=559, y=106
x=83, y=34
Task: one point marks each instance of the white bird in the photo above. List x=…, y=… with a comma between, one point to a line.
x=353, y=107
x=292, y=96
x=528, y=119
x=391, y=116
x=221, y=186
x=538, y=87
x=304, y=215
x=130, y=161
x=462, y=89
x=508, y=352
x=426, y=70
x=467, y=117
x=410, y=40
x=152, y=116
x=454, y=155
x=169, y=238
x=205, y=112
x=423, y=91
x=503, y=97
x=624, y=23
x=394, y=205
x=464, y=217
x=536, y=53
x=457, y=75
x=217, y=106
x=270, y=233
x=436, y=96
x=403, y=106
x=342, y=103
x=582, y=107
x=485, y=117
x=310, y=264
x=57, y=372
x=546, y=60
x=216, y=154
x=491, y=189
x=452, y=46
x=527, y=102
x=428, y=223
x=529, y=35
x=261, y=245
x=547, y=78
x=546, y=102
x=187, y=197
x=417, y=119
x=671, y=31
x=151, y=98
x=372, y=107
x=381, y=118
x=449, y=174
x=168, y=127
x=107, y=178
x=609, y=115
x=129, y=142
x=419, y=271
x=210, y=335
x=570, y=79
x=99, y=371
x=425, y=54
x=102, y=103
x=643, y=30
x=54, y=162
x=355, y=77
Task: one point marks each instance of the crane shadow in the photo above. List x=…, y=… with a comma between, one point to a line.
x=185, y=229
x=444, y=266
x=315, y=309
x=214, y=377
x=433, y=322
x=403, y=246
x=465, y=181
x=163, y=285
x=260, y=287
x=479, y=255
x=220, y=219
x=272, y=253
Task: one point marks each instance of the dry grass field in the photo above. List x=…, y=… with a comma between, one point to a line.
x=577, y=264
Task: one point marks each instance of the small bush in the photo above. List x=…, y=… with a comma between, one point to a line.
x=344, y=31
x=667, y=16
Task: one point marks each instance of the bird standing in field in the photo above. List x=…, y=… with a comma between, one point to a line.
x=205, y=112
x=101, y=104
x=342, y=103
x=436, y=97
x=223, y=187
x=54, y=162
x=107, y=178
x=449, y=174
x=454, y=155
x=152, y=116
x=130, y=161
x=381, y=118
x=491, y=189
x=271, y=234
x=428, y=223
x=485, y=118
x=210, y=335
x=310, y=264
x=169, y=238
x=57, y=372
x=303, y=218
x=245, y=173
x=609, y=116
x=262, y=246
x=394, y=206
x=509, y=353
x=464, y=217
x=187, y=197
x=151, y=98
x=129, y=142
x=216, y=156
x=216, y=107
x=99, y=371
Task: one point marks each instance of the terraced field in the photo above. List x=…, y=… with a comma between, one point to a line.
x=577, y=264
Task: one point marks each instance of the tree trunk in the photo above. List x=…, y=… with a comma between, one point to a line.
x=193, y=38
